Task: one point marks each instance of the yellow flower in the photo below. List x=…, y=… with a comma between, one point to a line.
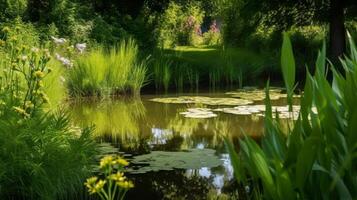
x=106, y=161
x=99, y=186
x=38, y=74
x=90, y=184
x=125, y=184
x=118, y=177
x=122, y=161
x=2, y=43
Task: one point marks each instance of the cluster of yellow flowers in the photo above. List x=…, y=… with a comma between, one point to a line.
x=109, y=161
x=113, y=180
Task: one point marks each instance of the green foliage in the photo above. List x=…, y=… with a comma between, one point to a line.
x=315, y=158
x=42, y=155
x=12, y=8
x=101, y=72
x=180, y=25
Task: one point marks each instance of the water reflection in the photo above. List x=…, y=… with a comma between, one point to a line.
x=139, y=126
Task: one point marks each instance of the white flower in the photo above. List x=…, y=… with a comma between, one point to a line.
x=81, y=47
x=58, y=40
x=66, y=62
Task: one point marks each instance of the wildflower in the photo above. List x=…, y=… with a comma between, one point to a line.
x=38, y=74
x=106, y=161
x=90, y=184
x=2, y=43
x=58, y=40
x=6, y=29
x=122, y=161
x=118, y=177
x=63, y=60
x=81, y=47
x=99, y=186
x=125, y=184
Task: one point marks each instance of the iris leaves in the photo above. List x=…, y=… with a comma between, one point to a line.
x=316, y=157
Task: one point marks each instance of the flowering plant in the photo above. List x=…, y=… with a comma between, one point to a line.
x=115, y=184
x=23, y=71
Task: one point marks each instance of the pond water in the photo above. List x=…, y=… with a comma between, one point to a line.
x=141, y=126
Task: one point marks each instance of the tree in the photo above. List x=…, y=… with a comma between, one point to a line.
x=286, y=13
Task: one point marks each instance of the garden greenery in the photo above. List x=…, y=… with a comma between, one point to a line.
x=42, y=155
x=316, y=157
x=102, y=72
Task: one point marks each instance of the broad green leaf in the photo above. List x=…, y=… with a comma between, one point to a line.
x=305, y=161
x=288, y=64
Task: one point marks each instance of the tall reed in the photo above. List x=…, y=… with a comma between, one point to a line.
x=114, y=71
x=316, y=158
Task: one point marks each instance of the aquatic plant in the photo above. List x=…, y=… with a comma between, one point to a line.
x=316, y=157
x=101, y=72
x=115, y=184
x=203, y=100
x=162, y=160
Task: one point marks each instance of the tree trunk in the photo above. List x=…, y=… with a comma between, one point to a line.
x=337, y=30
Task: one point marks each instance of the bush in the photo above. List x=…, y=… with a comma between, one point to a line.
x=42, y=155
x=180, y=25
x=315, y=158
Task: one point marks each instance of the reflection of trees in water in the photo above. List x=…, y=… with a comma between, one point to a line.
x=179, y=185
x=115, y=119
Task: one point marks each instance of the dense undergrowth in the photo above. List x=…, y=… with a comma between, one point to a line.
x=43, y=156
x=316, y=157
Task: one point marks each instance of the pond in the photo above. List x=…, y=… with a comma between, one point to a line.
x=189, y=141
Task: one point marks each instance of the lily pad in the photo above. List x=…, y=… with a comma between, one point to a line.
x=203, y=100
x=199, y=113
x=257, y=95
x=162, y=160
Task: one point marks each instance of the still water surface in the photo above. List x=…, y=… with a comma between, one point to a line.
x=139, y=126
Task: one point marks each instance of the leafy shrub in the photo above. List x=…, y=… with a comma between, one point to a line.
x=213, y=36
x=316, y=157
x=180, y=25
x=20, y=33
x=42, y=155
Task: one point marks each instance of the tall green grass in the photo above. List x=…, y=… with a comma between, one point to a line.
x=316, y=158
x=114, y=71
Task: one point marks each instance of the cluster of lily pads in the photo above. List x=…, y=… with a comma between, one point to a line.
x=254, y=94
x=258, y=110
x=203, y=100
x=162, y=160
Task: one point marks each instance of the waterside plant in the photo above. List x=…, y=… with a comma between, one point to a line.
x=316, y=157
